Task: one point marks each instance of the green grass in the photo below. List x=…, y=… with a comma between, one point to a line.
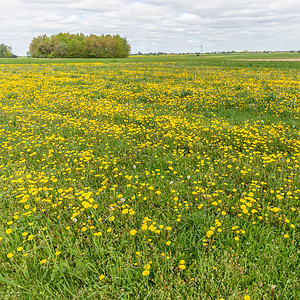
x=109, y=168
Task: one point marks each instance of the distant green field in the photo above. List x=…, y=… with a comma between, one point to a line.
x=228, y=60
x=170, y=177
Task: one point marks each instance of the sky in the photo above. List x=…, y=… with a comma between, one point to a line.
x=172, y=26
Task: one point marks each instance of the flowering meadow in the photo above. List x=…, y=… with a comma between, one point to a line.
x=149, y=180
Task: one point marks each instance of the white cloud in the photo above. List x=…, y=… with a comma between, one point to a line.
x=158, y=25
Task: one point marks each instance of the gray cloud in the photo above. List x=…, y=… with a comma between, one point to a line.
x=158, y=25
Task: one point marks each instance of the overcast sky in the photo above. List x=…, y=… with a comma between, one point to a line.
x=158, y=25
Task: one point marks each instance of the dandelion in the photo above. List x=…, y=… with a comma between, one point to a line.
x=133, y=232
x=101, y=277
x=43, y=261
x=125, y=211
x=9, y=255
x=209, y=233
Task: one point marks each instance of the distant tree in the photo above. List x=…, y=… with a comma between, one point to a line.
x=61, y=50
x=79, y=45
x=5, y=51
x=36, y=46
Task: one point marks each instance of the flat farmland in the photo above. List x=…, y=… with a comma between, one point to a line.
x=149, y=178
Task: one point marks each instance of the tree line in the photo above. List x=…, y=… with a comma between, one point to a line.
x=5, y=51
x=66, y=45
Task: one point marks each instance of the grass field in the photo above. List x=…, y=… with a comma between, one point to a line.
x=149, y=178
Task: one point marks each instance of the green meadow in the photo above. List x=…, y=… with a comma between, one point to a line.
x=166, y=177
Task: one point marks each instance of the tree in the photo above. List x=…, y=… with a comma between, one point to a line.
x=61, y=50
x=5, y=51
x=36, y=46
x=79, y=45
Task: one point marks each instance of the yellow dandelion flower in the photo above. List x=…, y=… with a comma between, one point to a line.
x=209, y=233
x=97, y=233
